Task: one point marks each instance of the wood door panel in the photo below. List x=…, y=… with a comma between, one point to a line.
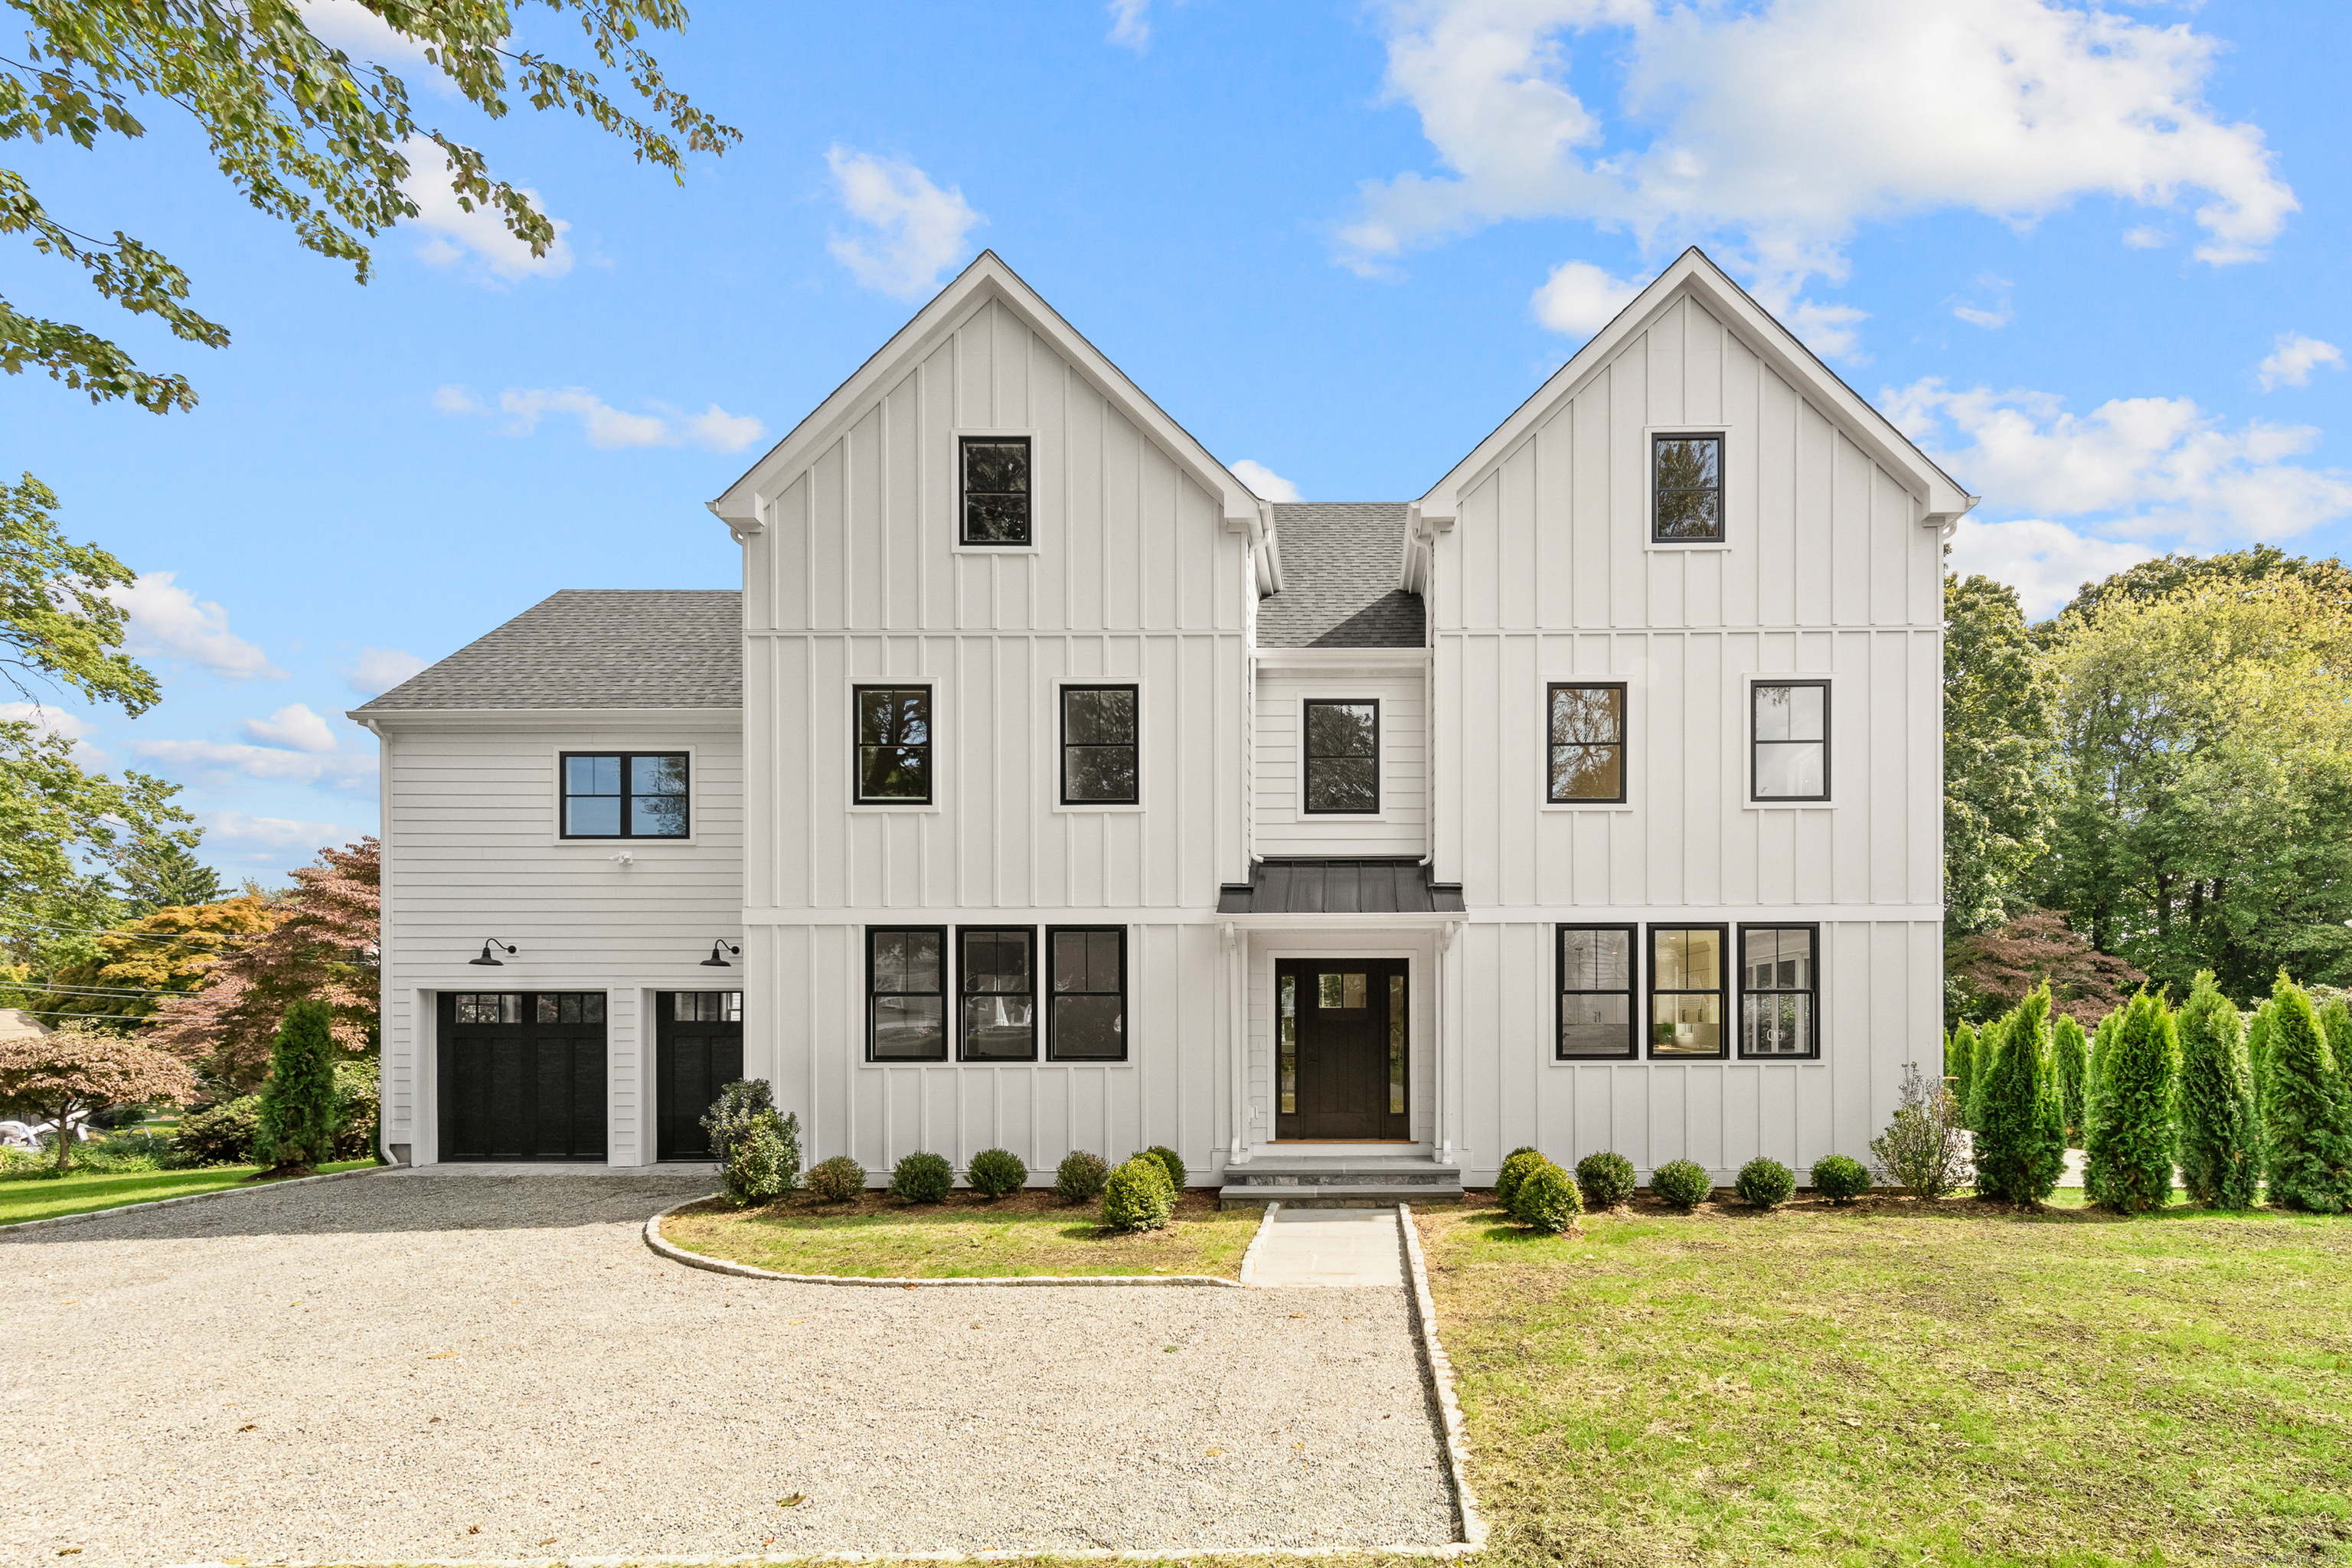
x=520, y=1090
x=692, y=1061
x=1343, y=1011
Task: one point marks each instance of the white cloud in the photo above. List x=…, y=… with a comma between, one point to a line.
x=915, y=230
x=2147, y=465
x=1265, y=483
x=1992, y=321
x=1782, y=127
x=454, y=233
x=714, y=429
x=264, y=836
x=234, y=760
x=1580, y=299
x=57, y=721
x=2044, y=562
x=348, y=26
x=293, y=727
x=1130, y=23
x=379, y=670
x=2294, y=357
x=169, y=622
x=2144, y=238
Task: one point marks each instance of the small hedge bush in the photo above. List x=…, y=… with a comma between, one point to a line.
x=1840, y=1179
x=1765, y=1182
x=840, y=1180
x=996, y=1172
x=1515, y=1171
x=1682, y=1184
x=922, y=1179
x=220, y=1134
x=1138, y=1195
x=1547, y=1200
x=1606, y=1179
x=763, y=1158
x=1080, y=1176
x=1173, y=1161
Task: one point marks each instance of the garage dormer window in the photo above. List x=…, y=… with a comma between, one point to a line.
x=1687, y=488
x=995, y=489
x=624, y=794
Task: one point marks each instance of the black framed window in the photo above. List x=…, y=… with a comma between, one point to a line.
x=995, y=489
x=1597, y=1017
x=706, y=1006
x=906, y=994
x=1780, y=990
x=894, y=744
x=996, y=975
x=1687, y=488
x=1789, y=739
x=569, y=1008
x=489, y=1007
x=1086, y=985
x=1587, y=758
x=1100, y=765
x=624, y=794
x=1342, y=757
x=1686, y=991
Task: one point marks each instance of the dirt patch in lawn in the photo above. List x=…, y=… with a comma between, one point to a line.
x=967, y=1237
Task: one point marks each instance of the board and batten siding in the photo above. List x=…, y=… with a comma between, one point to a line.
x=854, y=574
x=1281, y=825
x=471, y=833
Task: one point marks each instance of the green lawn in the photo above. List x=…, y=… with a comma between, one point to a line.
x=965, y=1237
x=25, y=1196
x=1905, y=1384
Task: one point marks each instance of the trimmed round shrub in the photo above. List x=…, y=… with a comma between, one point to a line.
x=1080, y=1176
x=922, y=1179
x=1839, y=1179
x=1173, y=1161
x=840, y=1180
x=1547, y=1200
x=1606, y=1179
x=1139, y=1197
x=1683, y=1184
x=1522, y=1149
x=996, y=1172
x=1515, y=1171
x=1765, y=1182
x=763, y=1161
x=220, y=1134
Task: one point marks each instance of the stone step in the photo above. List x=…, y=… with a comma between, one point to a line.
x=1343, y=1173
x=1336, y=1194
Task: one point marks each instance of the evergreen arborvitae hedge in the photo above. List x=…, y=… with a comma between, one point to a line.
x=300, y=1108
x=2070, y=1059
x=2220, y=1160
x=2020, y=1144
x=2258, y=1049
x=2129, y=1157
x=1960, y=1062
x=2306, y=1142
x=1987, y=1051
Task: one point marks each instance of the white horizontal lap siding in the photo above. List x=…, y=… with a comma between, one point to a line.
x=1281, y=826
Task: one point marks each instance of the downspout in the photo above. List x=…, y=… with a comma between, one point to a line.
x=1237, y=1150
x=1442, y=1144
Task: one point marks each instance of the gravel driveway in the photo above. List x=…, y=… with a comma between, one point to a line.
x=453, y=1364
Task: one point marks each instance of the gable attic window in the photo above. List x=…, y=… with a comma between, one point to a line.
x=1687, y=489
x=624, y=794
x=995, y=489
x=894, y=745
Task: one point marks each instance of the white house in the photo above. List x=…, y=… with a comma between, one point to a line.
x=1060, y=793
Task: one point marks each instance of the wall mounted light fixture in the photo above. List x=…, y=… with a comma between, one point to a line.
x=715, y=961
x=487, y=958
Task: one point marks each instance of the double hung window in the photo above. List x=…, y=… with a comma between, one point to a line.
x=1686, y=991
x=1596, y=993
x=1342, y=758
x=995, y=489
x=1100, y=750
x=1586, y=756
x=894, y=745
x=1086, y=984
x=1687, y=488
x=906, y=1002
x=1778, y=990
x=1789, y=734
x=996, y=972
x=624, y=794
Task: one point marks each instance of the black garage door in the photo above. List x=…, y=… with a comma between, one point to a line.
x=523, y=1075
x=697, y=1046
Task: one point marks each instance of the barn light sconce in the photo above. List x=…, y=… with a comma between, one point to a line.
x=717, y=948
x=488, y=958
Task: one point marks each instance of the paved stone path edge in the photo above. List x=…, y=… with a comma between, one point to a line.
x=236, y=1191
x=1471, y=1524
x=1454, y=1549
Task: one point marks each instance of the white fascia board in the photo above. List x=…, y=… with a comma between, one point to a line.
x=988, y=277
x=1941, y=499
x=508, y=717
x=1283, y=659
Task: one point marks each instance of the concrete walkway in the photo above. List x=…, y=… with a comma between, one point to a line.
x=1332, y=1246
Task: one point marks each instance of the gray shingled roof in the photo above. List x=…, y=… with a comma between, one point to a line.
x=594, y=648
x=1317, y=887
x=1339, y=566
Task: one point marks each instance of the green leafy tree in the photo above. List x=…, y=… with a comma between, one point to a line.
x=2001, y=780
x=164, y=874
x=2070, y=1058
x=2127, y=1159
x=2306, y=1125
x=2168, y=574
x=2020, y=1144
x=55, y=819
x=301, y=1110
x=118, y=978
x=58, y=625
x=2220, y=1158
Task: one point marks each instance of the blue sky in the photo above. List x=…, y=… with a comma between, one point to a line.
x=2090, y=258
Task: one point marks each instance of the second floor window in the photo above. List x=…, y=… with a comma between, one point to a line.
x=1343, y=758
x=894, y=745
x=995, y=489
x=1588, y=743
x=1687, y=488
x=1098, y=746
x=624, y=794
x=1791, y=741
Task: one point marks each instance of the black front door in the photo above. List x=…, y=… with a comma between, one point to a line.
x=521, y=1074
x=1340, y=1049
x=697, y=1046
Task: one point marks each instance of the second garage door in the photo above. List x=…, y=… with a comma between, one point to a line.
x=698, y=1046
x=523, y=1075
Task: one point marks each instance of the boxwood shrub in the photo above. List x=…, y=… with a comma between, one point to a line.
x=1173, y=1161
x=1839, y=1179
x=1138, y=1195
x=1683, y=1184
x=1080, y=1176
x=220, y=1134
x=1547, y=1200
x=1606, y=1179
x=922, y=1179
x=996, y=1172
x=1765, y=1182
x=1515, y=1171
x=840, y=1180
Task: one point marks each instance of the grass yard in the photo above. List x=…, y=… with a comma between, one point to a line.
x=1905, y=1384
x=24, y=1195
x=967, y=1237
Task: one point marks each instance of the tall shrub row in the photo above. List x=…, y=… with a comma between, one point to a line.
x=2020, y=1145
x=2070, y=1057
x=2220, y=1147
x=2127, y=1157
x=2306, y=1141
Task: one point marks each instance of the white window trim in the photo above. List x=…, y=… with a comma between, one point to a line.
x=955, y=490
x=1744, y=759
x=1635, y=777
x=1338, y=822
x=606, y=849
x=1650, y=487
x=845, y=727
x=1053, y=769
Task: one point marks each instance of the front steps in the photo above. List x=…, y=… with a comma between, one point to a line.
x=1340, y=1182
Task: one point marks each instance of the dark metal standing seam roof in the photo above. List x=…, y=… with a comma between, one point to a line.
x=1339, y=562
x=1378, y=887
x=594, y=648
